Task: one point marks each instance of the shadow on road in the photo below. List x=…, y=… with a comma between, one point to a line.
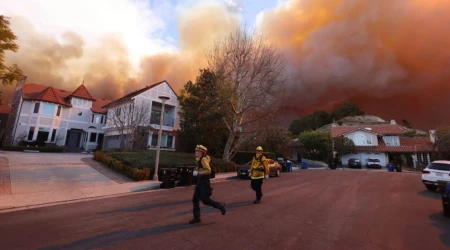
x=230, y=207
x=146, y=207
x=113, y=238
x=443, y=223
x=430, y=194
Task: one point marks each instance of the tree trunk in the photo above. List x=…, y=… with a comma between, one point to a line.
x=226, y=151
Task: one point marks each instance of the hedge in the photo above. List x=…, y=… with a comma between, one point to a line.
x=146, y=160
x=132, y=172
x=244, y=157
x=40, y=149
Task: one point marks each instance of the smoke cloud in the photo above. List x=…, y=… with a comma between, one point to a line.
x=106, y=61
x=390, y=57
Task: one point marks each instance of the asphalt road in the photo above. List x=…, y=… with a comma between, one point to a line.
x=308, y=209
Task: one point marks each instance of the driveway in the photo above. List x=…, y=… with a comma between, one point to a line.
x=42, y=172
x=306, y=209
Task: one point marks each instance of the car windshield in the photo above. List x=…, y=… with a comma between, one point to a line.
x=374, y=160
x=439, y=166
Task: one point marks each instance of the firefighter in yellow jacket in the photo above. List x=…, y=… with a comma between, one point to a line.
x=203, y=188
x=258, y=171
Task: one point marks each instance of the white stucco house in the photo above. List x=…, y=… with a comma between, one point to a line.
x=73, y=119
x=146, y=99
x=384, y=142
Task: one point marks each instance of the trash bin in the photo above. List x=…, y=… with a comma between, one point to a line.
x=304, y=165
x=186, y=174
x=390, y=167
x=289, y=166
x=446, y=201
x=168, y=177
x=332, y=165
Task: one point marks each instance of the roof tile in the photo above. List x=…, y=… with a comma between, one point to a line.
x=385, y=129
x=37, y=92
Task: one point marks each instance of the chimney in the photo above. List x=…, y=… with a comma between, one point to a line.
x=393, y=122
x=13, y=116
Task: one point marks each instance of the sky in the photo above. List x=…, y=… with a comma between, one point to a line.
x=388, y=56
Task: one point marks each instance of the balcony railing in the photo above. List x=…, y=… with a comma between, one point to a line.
x=167, y=121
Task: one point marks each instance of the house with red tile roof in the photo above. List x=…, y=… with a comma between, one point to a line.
x=147, y=100
x=384, y=142
x=70, y=118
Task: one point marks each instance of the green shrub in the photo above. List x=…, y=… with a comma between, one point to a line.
x=146, y=160
x=132, y=172
x=40, y=149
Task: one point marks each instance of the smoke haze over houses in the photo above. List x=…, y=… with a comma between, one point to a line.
x=389, y=57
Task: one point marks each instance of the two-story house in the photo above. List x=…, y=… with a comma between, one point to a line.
x=384, y=142
x=150, y=105
x=49, y=115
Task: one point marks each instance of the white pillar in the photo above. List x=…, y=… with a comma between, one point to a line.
x=414, y=158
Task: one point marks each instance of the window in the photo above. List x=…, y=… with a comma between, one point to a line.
x=102, y=119
x=36, y=107
x=43, y=134
x=360, y=139
x=422, y=158
x=369, y=140
x=48, y=109
x=58, y=111
x=169, y=141
x=154, y=140
x=30, y=134
x=93, y=137
x=97, y=119
x=118, y=111
x=439, y=166
x=53, y=135
x=155, y=117
x=391, y=140
x=92, y=119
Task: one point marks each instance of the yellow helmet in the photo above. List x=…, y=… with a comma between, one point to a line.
x=259, y=148
x=201, y=148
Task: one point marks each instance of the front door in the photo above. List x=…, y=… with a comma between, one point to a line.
x=73, y=139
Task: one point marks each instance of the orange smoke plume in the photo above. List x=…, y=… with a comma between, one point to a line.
x=388, y=56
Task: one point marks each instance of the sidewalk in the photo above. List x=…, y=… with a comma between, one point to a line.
x=25, y=200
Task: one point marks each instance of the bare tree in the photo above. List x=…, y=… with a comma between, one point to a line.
x=132, y=122
x=20, y=138
x=251, y=74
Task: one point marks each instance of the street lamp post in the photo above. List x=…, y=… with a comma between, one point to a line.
x=164, y=99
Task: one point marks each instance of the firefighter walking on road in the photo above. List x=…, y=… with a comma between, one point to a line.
x=203, y=187
x=258, y=171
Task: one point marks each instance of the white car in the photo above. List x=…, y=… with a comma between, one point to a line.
x=438, y=172
x=373, y=163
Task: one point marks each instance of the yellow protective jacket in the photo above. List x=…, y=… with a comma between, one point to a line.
x=203, y=167
x=257, y=169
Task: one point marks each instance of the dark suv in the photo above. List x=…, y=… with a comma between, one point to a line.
x=354, y=163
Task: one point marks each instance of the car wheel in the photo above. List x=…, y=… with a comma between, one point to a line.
x=432, y=187
x=278, y=173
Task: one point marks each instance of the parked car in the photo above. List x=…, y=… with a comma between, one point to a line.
x=274, y=168
x=436, y=174
x=373, y=163
x=354, y=163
